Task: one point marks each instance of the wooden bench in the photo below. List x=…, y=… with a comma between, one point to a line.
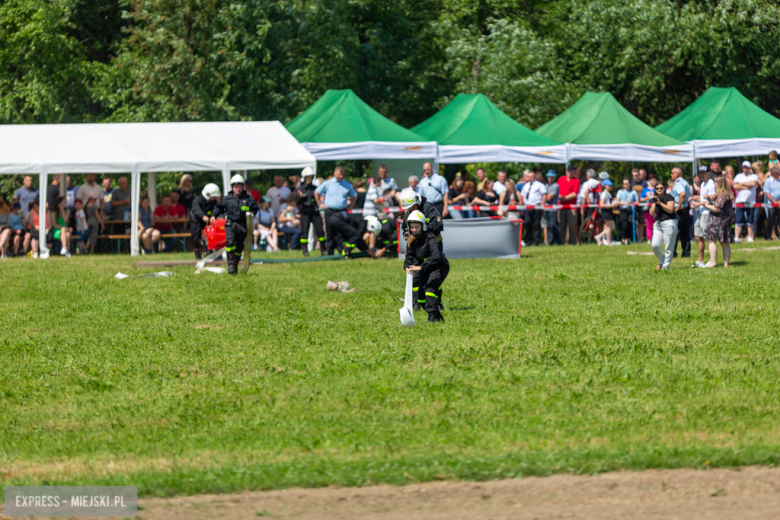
x=128, y=237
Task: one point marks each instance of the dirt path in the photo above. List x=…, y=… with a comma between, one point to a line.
x=750, y=493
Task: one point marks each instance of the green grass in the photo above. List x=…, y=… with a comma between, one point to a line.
x=567, y=360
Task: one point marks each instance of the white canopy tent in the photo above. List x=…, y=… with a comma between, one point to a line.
x=146, y=147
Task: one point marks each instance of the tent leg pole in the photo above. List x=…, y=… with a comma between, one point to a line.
x=135, y=201
x=225, y=181
x=151, y=188
x=43, y=178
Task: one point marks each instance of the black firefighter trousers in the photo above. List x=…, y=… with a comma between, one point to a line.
x=428, y=285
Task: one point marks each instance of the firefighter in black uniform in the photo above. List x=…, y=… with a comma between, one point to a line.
x=426, y=262
x=310, y=212
x=234, y=206
x=200, y=214
x=385, y=236
x=412, y=201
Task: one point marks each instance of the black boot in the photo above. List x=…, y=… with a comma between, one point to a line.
x=197, y=254
x=232, y=263
x=416, y=306
x=323, y=249
x=305, y=249
x=434, y=317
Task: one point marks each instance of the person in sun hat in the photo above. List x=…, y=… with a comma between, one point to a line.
x=424, y=260
x=310, y=212
x=235, y=206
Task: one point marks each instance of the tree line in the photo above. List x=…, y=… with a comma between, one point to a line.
x=65, y=61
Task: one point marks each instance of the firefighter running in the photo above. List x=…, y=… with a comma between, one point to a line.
x=235, y=206
x=310, y=212
x=200, y=215
x=410, y=202
x=424, y=260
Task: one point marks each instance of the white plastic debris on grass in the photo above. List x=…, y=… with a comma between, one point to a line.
x=340, y=286
x=215, y=270
x=161, y=274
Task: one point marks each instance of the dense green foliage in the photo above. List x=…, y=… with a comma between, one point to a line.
x=160, y=60
x=199, y=60
x=568, y=360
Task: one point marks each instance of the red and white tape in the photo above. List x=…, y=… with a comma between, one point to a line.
x=519, y=207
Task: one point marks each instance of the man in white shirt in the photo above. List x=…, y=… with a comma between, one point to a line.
x=278, y=193
x=745, y=183
x=702, y=215
x=90, y=188
x=373, y=195
x=588, y=192
x=533, y=194
x=500, y=185
x=387, y=183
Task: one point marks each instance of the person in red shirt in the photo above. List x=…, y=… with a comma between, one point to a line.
x=249, y=188
x=177, y=209
x=163, y=214
x=569, y=186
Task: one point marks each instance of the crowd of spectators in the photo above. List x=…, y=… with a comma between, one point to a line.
x=676, y=213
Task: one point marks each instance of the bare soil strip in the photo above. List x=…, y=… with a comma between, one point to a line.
x=746, y=494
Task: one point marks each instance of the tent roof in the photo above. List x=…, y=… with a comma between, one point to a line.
x=721, y=113
x=124, y=147
x=471, y=119
x=599, y=128
x=340, y=116
x=340, y=125
x=598, y=118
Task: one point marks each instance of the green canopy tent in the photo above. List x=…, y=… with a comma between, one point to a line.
x=472, y=129
x=724, y=123
x=598, y=128
x=341, y=126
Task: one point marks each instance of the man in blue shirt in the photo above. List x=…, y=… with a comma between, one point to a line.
x=772, y=193
x=435, y=189
x=26, y=194
x=681, y=191
x=337, y=196
x=626, y=198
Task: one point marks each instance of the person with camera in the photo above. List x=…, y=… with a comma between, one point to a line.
x=662, y=208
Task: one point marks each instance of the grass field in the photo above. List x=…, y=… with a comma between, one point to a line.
x=567, y=360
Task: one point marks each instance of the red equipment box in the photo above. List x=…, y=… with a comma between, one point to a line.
x=215, y=235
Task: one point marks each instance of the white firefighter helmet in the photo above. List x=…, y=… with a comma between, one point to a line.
x=409, y=198
x=236, y=179
x=417, y=216
x=211, y=190
x=373, y=224
x=307, y=172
